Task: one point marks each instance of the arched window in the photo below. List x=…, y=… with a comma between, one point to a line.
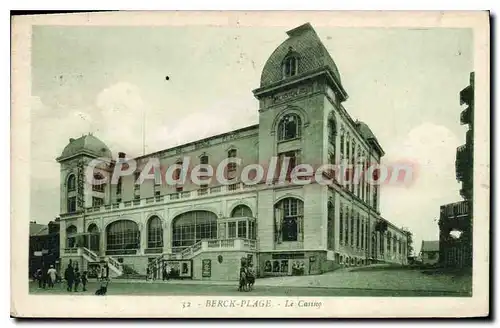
x=155, y=233
x=332, y=130
x=231, y=167
x=93, y=228
x=289, y=127
x=71, y=183
x=342, y=142
x=122, y=235
x=191, y=227
x=70, y=236
x=93, y=237
x=289, y=220
x=241, y=211
x=290, y=65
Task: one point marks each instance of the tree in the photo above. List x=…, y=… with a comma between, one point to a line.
x=409, y=241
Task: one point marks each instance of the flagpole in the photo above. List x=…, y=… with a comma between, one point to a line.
x=143, y=132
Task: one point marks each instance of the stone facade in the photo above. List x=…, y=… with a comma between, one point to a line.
x=322, y=226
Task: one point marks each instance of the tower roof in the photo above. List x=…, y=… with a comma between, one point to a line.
x=303, y=41
x=88, y=144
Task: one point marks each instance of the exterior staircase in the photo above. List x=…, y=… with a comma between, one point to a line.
x=116, y=268
x=204, y=245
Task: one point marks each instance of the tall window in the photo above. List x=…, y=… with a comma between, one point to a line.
x=289, y=127
x=290, y=66
x=332, y=131
x=242, y=229
x=358, y=231
x=252, y=230
x=123, y=235
x=359, y=174
x=177, y=172
x=241, y=211
x=137, y=186
x=341, y=225
x=292, y=163
x=288, y=219
x=191, y=227
x=231, y=167
x=346, y=226
x=353, y=154
x=381, y=240
x=375, y=197
x=71, y=204
x=71, y=183
x=231, y=229
x=389, y=239
x=352, y=227
x=394, y=244
x=155, y=233
x=119, y=186
x=342, y=144
x=362, y=233
x=330, y=225
x=70, y=236
x=204, y=163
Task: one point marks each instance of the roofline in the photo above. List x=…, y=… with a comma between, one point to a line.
x=246, y=128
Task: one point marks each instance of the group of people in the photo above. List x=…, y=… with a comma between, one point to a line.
x=152, y=274
x=46, y=277
x=74, y=278
x=247, y=276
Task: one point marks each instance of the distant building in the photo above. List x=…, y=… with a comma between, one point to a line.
x=204, y=230
x=455, y=221
x=44, y=246
x=429, y=252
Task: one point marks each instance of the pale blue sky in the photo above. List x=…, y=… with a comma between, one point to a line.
x=404, y=83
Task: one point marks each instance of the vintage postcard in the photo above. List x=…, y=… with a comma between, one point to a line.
x=250, y=164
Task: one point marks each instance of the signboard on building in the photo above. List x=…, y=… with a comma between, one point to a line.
x=179, y=268
x=206, y=270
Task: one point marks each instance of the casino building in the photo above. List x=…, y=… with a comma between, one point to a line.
x=203, y=231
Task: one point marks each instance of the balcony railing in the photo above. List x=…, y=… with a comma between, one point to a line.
x=456, y=209
x=173, y=197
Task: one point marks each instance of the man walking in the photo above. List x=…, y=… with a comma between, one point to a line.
x=52, y=273
x=69, y=276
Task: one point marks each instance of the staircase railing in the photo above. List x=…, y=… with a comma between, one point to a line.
x=90, y=254
x=115, y=263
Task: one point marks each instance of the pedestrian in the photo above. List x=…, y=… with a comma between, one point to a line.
x=147, y=273
x=38, y=277
x=69, y=276
x=77, y=279
x=52, y=273
x=84, y=281
x=164, y=272
x=169, y=271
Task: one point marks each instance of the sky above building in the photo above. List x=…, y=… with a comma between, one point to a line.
x=112, y=81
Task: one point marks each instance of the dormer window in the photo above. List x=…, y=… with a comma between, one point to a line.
x=290, y=64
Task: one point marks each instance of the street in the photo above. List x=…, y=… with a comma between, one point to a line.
x=193, y=289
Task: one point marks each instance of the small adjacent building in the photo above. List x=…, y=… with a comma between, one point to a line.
x=429, y=252
x=44, y=246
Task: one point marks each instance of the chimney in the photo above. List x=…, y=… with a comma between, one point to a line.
x=121, y=155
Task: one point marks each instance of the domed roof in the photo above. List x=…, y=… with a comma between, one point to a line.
x=365, y=131
x=303, y=41
x=86, y=144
